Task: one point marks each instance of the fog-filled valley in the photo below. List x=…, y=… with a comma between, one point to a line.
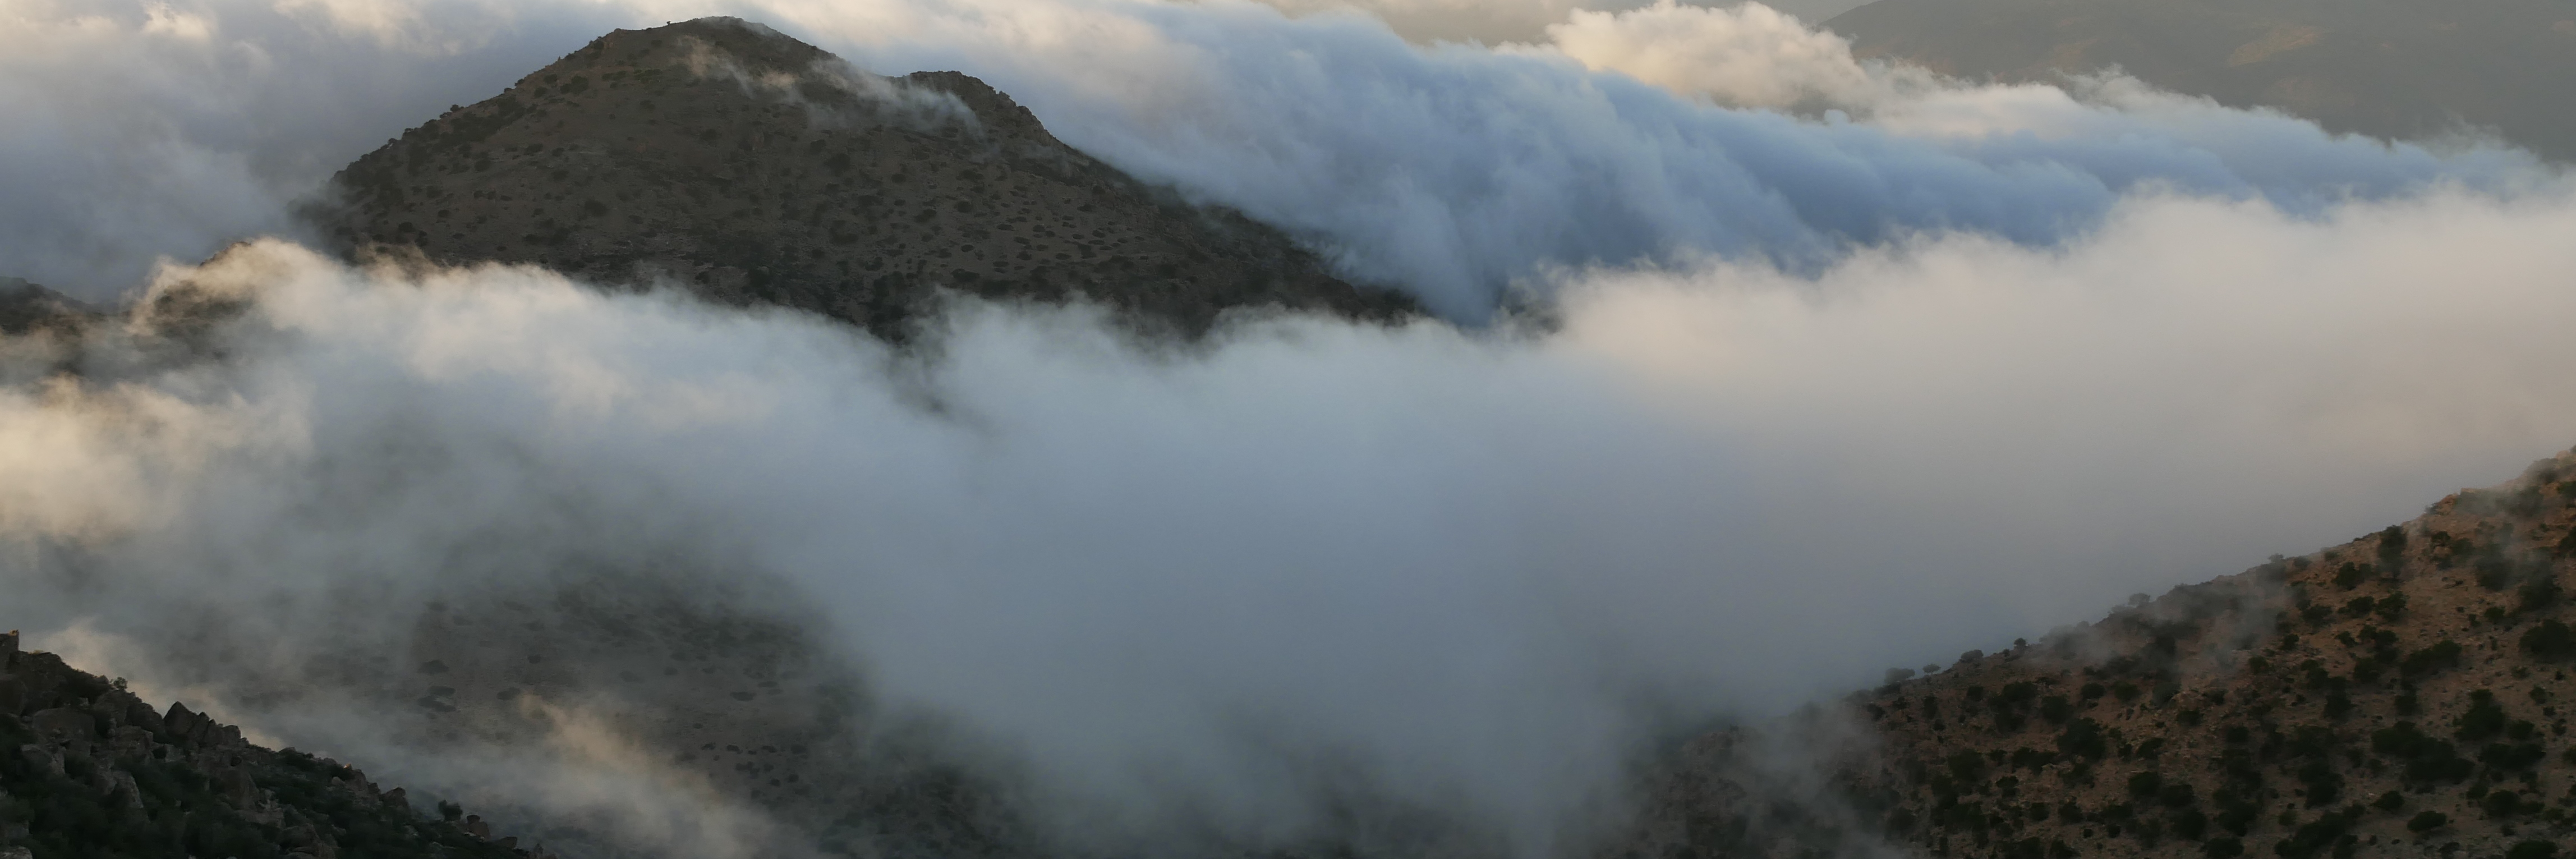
x=1738, y=372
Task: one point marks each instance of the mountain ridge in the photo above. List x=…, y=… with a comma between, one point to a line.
x=2398, y=694
x=752, y=168
x=92, y=772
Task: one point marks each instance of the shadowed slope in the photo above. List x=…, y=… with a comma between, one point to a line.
x=93, y=772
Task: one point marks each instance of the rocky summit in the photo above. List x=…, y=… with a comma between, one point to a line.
x=756, y=169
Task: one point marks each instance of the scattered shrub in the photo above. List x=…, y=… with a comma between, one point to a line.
x=2484, y=719
x=2442, y=654
x=2549, y=640
x=2427, y=821
x=2537, y=594
x=2510, y=756
x=2392, y=542
x=2082, y=739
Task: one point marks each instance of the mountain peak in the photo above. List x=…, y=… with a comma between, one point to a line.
x=754, y=168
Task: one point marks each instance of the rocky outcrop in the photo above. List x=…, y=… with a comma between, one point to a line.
x=93, y=771
x=755, y=169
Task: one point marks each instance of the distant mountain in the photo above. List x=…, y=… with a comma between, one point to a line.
x=757, y=169
x=2391, y=68
x=2404, y=694
x=92, y=772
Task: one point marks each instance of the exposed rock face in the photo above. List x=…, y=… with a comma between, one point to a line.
x=2405, y=70
x=95, y=772
x=755, y=168
x=2404, y=694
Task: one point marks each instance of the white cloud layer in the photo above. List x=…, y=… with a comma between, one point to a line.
x=1828, y=392
x=1478, y=565
x=1457, y=173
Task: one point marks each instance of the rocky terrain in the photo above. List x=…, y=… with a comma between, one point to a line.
x=754, y=168
x=2404, y=694
x=26, y=308
x=2400, y=70
x=92, y=772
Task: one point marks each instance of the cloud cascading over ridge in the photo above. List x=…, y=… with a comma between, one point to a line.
x=1477, y=568
x=1821, y=393
x=1453, y=172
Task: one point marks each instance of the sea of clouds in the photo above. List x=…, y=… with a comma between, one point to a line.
x=1817, y=367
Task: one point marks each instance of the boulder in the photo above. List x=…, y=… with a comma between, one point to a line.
x=131, y=741
x=64, y=723
x=181, y=721
x=236, y=787
x=13, y=695
x=123, y=791
x=42, y=758
x=142, y=715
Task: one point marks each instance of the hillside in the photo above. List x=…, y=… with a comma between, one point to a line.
x=2406, y=70
x=26, y=308
x=92, y=772
x=757, y=169
x=2400, y=694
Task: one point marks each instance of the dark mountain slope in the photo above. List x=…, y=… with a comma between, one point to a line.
x=26, y=308
x=2404, y=694
x=2391, y=68
x=756, y=168
x=91, y=772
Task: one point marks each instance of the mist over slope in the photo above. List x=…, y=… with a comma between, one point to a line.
x=1474, y=572
x=2397, y=694
x=96, y=771
x=1792, y=395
